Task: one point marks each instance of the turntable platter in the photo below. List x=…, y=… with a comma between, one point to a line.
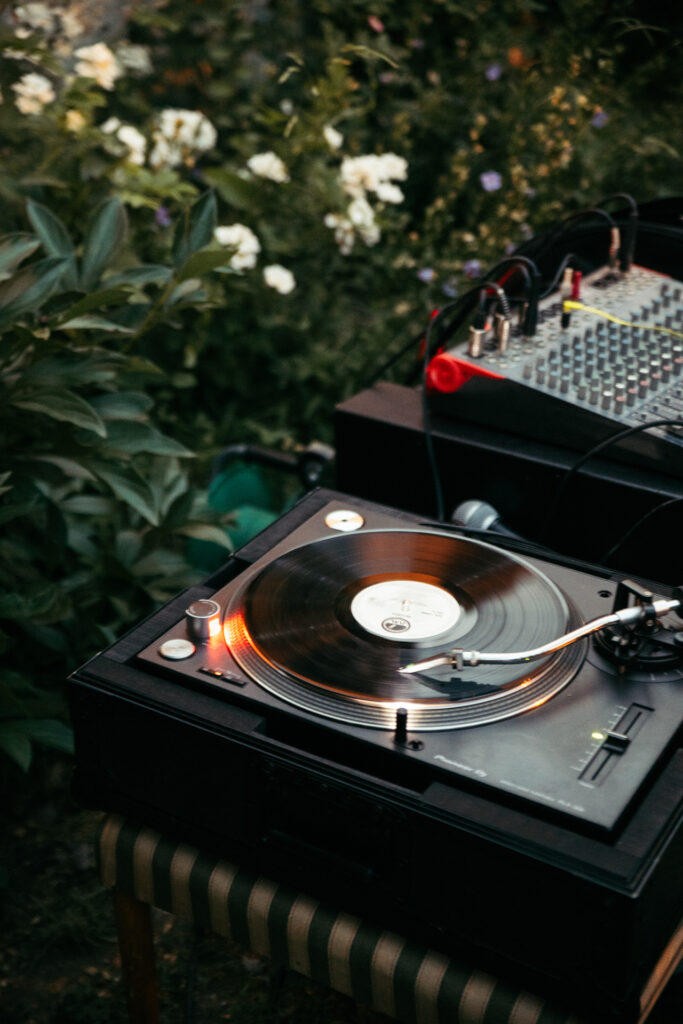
x=327, y=625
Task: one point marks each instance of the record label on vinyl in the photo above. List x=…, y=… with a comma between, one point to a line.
x=405, y=610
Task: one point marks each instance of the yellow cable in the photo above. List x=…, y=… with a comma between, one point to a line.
x=570, y=304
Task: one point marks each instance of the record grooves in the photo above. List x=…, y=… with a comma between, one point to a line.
x=327, y=625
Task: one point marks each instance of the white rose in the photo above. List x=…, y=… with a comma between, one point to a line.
x=333, y=138
x=371, y=173
x=72, y=27
x=359, y=174
x=268, y=165
x=135, y=141
x=360, y=213
x=164, y=155
x=179, y=135
x=33, y=91
x=344, y=234
x=393, y=166
x=112, y=124
x=279, y=278
x=36, y=16
x=389, y=193
x=370, y=233
x=98, y=62
x=243, y=240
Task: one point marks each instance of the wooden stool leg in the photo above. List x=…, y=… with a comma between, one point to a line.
x=136, y=945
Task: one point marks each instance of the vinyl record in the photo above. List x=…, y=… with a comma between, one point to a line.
x=328, y=625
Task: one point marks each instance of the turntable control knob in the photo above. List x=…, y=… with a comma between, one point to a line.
x=203, y=619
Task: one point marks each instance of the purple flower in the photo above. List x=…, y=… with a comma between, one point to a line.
x=416, y=44
x=491, y=181
x=493, y=72
x=449, y=289
x=472, y=268
x=162, y=217
x=426, y=274
x=599, y=119
x=510, y=248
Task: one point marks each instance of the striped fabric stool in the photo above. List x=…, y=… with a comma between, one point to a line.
x=378, y=969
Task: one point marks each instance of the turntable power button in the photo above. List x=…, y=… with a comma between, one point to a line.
x=177, y=649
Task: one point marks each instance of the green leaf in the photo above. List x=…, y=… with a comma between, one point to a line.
x=128, y=546
x=236, y=191
x=76, y=369
x=55, y=239
x=14, y=742
x=201, y=263
x=23, y=606
x=51, y=733
x=131, y=490
x=194, y=229
x=29, y=288
x=147, y=273
x=203, y=219
x=94, y=323
x=104, y=239
x=14, y=249
x=184, y=290
x=205, y=531
x=122, y=405
x=109, y=296
x=181, y=241
x=66, y=406
x=88, y=505
x=10, y=512
x=132, y=438
x=159, y=563
x=69, y=467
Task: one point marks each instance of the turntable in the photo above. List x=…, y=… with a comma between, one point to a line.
x=472, y=744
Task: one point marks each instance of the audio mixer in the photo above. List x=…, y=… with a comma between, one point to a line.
x=607, y=359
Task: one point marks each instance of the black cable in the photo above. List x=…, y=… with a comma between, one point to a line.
x=502, y=297
x=573, y=470
x=565, y=226
x=636, y=526
x=628, y=245
x=426, y=417
x=388, y=363
x=558, y=274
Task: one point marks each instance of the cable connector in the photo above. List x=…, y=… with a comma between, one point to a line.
x=614, y=246
x=475, y=345
x=502, y=332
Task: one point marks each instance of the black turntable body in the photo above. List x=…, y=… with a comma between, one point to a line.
x=304, y=713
